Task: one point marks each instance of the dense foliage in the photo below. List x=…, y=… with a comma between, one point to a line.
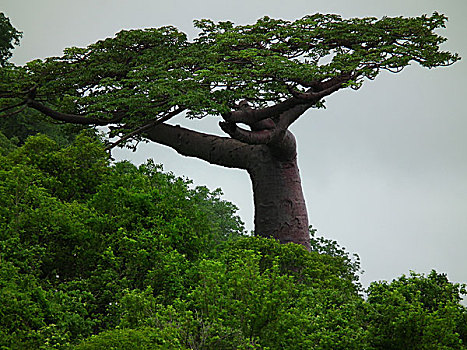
x=9, y=37
x=76, y=232
x=143, y=76
x=95, y=255
x=102, y=255
x=27, y=122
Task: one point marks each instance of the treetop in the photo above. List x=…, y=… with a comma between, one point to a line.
x=9, y=37
x=146, y=75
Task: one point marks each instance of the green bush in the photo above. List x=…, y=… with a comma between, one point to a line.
x=257, y=293
x=82, y=231
x=417, y=312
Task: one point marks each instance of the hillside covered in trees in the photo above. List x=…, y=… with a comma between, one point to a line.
x=100, y=255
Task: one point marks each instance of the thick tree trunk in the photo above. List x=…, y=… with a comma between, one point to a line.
x=280, y=209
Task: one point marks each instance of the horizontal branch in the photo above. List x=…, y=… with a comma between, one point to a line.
x=19, y=110
x=214, y=149
x=72, y=118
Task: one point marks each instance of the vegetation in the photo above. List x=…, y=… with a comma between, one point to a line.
x=9, y=37
x=101, y=255
x=25, y=122
x=264, y=76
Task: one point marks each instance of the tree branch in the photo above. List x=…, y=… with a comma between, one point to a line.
x=272, y=134
x=250, y=116
x=323, y=89
x=257, y=137
x=217, y=150
x=13, y=106
x=145, y=127
x=306, y=99
x=19, y=110
x=72, y=118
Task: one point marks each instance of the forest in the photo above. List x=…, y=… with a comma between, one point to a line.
x=99, y=254
x=96, y=254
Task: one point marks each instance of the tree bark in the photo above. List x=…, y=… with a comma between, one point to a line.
x=280, y=209
x=223, y=151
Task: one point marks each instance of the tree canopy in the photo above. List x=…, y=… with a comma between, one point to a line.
x=143, y=77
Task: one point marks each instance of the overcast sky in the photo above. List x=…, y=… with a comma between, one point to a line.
x=384, y=168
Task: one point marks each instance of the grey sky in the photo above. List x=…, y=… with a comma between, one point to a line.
x=384, y=169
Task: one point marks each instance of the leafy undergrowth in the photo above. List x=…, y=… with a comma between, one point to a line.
x=95, y=255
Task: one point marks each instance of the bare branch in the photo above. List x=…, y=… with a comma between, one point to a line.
x=223, y=151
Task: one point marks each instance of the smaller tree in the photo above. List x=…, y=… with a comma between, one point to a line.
x=9, y=37
x=26, y=122
x=417, y=312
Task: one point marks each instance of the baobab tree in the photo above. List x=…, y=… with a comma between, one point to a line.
x=259, y=79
